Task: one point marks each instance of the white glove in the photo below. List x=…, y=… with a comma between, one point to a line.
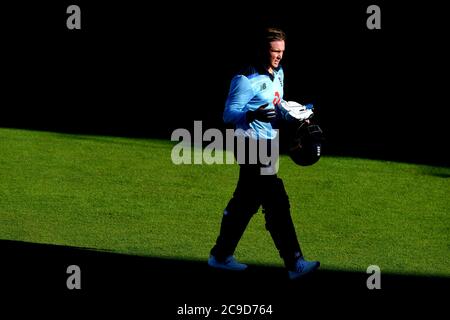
x=291, y=110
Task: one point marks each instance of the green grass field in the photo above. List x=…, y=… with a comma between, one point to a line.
x=125, y=195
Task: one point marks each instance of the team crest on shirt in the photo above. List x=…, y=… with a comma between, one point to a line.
x=277, y=99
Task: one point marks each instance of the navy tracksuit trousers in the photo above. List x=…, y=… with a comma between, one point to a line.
x=252, y=191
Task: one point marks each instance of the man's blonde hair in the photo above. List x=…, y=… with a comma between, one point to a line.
x=274, y=34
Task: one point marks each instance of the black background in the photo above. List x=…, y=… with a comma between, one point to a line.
x=138, y=69
x=145, y=69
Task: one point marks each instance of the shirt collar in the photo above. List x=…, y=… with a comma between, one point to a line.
x=263, y=70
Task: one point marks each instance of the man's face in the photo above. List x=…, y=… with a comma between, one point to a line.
x=276, y=51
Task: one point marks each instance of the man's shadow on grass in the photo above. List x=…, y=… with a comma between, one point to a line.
x=36, y=271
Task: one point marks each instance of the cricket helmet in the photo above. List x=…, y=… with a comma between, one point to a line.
x=305, y=149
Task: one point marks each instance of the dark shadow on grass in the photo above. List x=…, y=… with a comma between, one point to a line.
x=439, y=172
x=37, y=272
x=441, y=175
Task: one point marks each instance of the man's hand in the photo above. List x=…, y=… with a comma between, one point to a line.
x=261, y=114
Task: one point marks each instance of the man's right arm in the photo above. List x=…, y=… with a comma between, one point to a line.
x=240, y=94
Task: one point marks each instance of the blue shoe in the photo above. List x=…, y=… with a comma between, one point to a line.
x=303, y=267
x=230, y=263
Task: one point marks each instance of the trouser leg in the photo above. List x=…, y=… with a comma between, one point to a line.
x=240, y=209
x=279, y=222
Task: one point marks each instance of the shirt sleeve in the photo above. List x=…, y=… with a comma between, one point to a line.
x=241, y=92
